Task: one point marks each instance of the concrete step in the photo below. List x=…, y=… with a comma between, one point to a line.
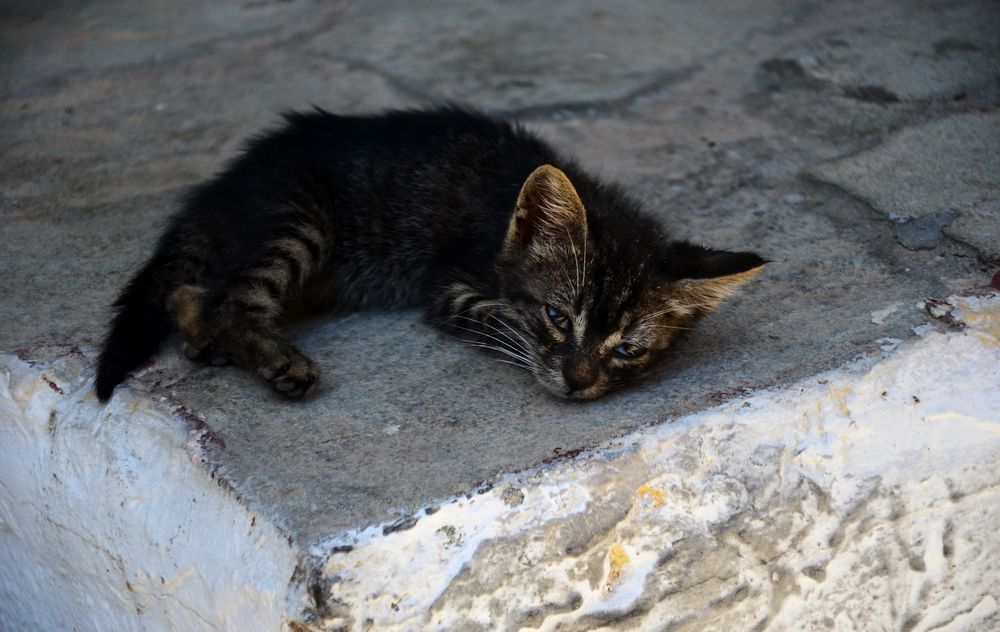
x=829, y=137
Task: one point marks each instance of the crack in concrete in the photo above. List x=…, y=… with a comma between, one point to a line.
x=403, y=86
x=602, y=107
x=815, y=179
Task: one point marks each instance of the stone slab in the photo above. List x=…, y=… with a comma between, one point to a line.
x=105, y=135
x=951, y=164
x=107, y=523
x=107, y=123
x=579, y=56
x=942, y=51
x=762, y=512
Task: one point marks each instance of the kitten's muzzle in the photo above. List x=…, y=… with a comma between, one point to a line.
x=579, y=375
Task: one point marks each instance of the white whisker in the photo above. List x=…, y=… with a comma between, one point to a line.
x=654, y=315
x=515, y=344
x=569, y=281
x=528, y=367
x=503, y=348
x=480, y=305
x=576, y=260
x=669, y=327
x=512, y=330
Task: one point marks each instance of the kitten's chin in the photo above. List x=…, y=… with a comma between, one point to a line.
x=587, y=395
x=561, y=391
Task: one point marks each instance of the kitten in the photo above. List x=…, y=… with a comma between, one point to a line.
x=503, y=241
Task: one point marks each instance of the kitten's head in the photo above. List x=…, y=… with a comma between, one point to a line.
x=599, y=297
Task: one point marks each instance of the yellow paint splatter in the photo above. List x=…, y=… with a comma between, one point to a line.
x=656, y=496
x=984, y=318
x=617, y=559
x=840, y=399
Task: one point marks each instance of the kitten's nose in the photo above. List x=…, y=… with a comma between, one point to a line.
x=579, y=374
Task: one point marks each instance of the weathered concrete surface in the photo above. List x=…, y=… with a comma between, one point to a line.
x=893, y=52
x=712, y=112
x=946, y=170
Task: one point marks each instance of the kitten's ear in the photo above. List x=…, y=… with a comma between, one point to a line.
x=547, y=206
x=704, y=277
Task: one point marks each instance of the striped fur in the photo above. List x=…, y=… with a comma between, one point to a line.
x=508, y=246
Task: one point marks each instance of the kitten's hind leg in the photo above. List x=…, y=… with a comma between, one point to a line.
x=186, y=306
x=239, y=320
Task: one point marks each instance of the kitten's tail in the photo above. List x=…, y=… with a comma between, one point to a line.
x=140, y=325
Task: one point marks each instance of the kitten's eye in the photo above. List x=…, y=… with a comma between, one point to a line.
x=629, y=351
x=558, y=318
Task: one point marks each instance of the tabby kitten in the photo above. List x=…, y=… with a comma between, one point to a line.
x=504, y=242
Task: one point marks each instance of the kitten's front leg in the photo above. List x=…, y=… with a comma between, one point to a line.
x=289, y=372
x=481, y=320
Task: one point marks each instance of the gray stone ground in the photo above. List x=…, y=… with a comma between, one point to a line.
x=828, y=136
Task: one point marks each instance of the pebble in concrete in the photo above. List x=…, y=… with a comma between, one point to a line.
x=925, y=232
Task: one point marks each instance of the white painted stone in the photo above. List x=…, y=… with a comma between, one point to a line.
x=106, y=523
x=864, y=499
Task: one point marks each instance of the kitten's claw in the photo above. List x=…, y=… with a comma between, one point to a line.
x=293, y=379
x=270, y=372
x=295, y=387
x=206, y=354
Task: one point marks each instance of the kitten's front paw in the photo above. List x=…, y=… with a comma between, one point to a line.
x=293, y=378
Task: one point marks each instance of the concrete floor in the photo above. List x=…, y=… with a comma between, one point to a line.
x=855, y=144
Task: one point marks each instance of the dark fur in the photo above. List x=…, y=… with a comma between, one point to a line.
x=415, y=208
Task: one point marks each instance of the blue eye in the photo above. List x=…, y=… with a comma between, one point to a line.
x=558, y=318
x=629, y=351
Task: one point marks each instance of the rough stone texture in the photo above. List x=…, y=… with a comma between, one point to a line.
x=854, y=500
x=711, y=112
x=581, y=55
x=925, y=231
x=105, y=525
x=893, y=51
x=947, y=165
